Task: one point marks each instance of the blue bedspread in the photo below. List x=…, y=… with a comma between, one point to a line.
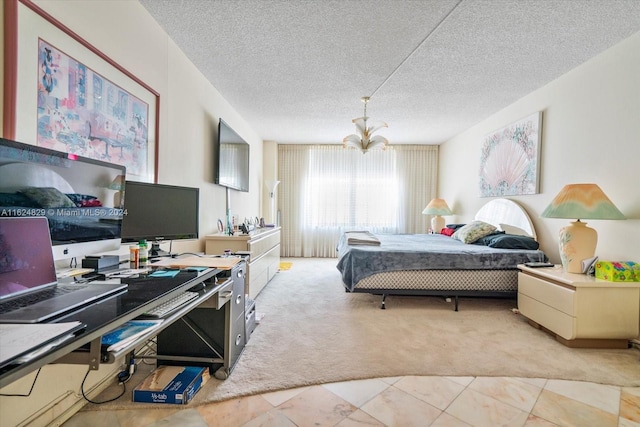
x=424, y=252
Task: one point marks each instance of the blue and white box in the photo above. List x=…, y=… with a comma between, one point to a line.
x=171, y=384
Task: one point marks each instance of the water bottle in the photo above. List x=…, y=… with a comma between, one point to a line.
x=144, y=253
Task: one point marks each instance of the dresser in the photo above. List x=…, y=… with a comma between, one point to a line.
x=578, y=309
x=263, y=247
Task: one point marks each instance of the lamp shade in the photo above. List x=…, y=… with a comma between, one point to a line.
x=582, y=201
x=117, y=183
x=577, y=242
x=437, y=207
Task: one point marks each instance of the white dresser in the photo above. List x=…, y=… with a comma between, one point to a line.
x=263, y=246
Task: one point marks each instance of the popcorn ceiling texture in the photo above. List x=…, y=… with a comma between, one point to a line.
x=295, y=70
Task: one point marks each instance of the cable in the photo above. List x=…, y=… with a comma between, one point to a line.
x=124, y=389
x=30, y=390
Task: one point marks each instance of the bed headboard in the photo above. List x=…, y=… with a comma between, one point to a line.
x=507, y=215
x=17, y=176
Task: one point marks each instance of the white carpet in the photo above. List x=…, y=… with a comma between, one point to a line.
x=314, y=332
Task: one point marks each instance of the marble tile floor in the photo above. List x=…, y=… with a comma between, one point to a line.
x=402, y=401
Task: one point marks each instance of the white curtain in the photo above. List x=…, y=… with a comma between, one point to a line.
x=326, y=190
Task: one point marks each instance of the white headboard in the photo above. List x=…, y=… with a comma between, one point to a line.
x=17, y=176
x=507, y=215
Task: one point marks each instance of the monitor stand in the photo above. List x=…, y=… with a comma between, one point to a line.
x=155, y=251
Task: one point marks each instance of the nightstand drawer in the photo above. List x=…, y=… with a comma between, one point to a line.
x=557, y=297
x=548, y=317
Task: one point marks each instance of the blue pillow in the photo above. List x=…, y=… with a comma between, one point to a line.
x=512, y=241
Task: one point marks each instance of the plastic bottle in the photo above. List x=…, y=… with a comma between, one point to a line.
x=134, y=256
x=144, y=253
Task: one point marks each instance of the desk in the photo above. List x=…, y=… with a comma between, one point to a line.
x=103, y=316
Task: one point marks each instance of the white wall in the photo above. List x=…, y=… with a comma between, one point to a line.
x=591, y=134
x=189, y=111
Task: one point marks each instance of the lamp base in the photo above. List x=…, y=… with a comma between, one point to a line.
x=576, y=243
x=437, y=224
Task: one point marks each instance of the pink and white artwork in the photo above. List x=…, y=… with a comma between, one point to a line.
x=509, y=162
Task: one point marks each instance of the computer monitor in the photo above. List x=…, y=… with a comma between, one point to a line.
x=74, y=193
x=159, y=212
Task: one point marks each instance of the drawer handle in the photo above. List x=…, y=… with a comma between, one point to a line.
x=226, y=294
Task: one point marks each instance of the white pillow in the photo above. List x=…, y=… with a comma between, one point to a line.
x=516, y=231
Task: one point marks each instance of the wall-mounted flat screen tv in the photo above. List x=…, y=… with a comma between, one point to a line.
x=231, y=159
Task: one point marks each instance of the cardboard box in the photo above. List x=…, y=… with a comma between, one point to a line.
x=171, y=384
x=613, y=271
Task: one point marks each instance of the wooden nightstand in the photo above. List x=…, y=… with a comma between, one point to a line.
x=579, y=310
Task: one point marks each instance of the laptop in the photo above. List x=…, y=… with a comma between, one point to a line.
x=28, y=275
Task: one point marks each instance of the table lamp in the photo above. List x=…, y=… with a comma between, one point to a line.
x=577, y=242
x=437, y=207
x=118, y=185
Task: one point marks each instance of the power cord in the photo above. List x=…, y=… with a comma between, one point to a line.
x=123, y=377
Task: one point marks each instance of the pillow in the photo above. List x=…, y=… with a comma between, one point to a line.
x=16, y=200
x=84, y=200
x=511, y=241
x=48, y=197
x=487, y=239
x=473, y=231
x=447, y=231
x=516, y=231
x=454, y=227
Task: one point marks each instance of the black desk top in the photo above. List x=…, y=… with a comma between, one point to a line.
x=105, y=315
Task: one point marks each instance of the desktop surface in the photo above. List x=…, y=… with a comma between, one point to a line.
x=142, y=293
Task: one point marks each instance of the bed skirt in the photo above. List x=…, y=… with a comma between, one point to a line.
x=446, y=283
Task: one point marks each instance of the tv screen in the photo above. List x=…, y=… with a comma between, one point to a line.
x=232, y=159
x=157, y=212
x=80, y=197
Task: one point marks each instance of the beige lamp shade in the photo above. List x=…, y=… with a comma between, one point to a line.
x=437, y=207
x=576, y=241
x=118, y=185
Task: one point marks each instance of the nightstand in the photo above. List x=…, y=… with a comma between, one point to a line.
x=578, y=309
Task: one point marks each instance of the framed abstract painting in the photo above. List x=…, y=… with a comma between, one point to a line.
x=509, y=160
x=71, y=97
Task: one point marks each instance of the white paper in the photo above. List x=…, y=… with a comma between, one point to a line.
x=16, y=339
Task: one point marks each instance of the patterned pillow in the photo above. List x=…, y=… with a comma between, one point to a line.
x=473, y=231
x=48, y=197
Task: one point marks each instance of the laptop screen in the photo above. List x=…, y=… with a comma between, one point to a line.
x=26, y=258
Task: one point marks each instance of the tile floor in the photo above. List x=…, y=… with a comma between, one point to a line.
x=402, y=401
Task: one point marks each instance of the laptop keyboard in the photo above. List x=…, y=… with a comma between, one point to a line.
x=37, y=297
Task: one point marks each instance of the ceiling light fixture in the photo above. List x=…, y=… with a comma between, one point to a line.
x=363, y=139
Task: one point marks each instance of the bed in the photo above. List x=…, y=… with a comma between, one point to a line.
x=440, y=265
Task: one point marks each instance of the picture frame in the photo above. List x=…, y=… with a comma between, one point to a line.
x=510, y=159
x=100, y=110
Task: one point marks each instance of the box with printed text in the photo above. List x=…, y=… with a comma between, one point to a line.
x=171, y=384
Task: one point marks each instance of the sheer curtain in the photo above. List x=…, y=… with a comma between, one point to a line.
x=326, y=190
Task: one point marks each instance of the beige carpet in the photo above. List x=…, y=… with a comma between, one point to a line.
x=314, y=332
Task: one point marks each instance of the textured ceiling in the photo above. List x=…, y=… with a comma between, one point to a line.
x=295, y=70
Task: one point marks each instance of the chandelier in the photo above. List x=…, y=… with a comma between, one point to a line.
x=363, y=139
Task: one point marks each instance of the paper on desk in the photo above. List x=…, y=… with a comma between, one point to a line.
x=18, y=339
